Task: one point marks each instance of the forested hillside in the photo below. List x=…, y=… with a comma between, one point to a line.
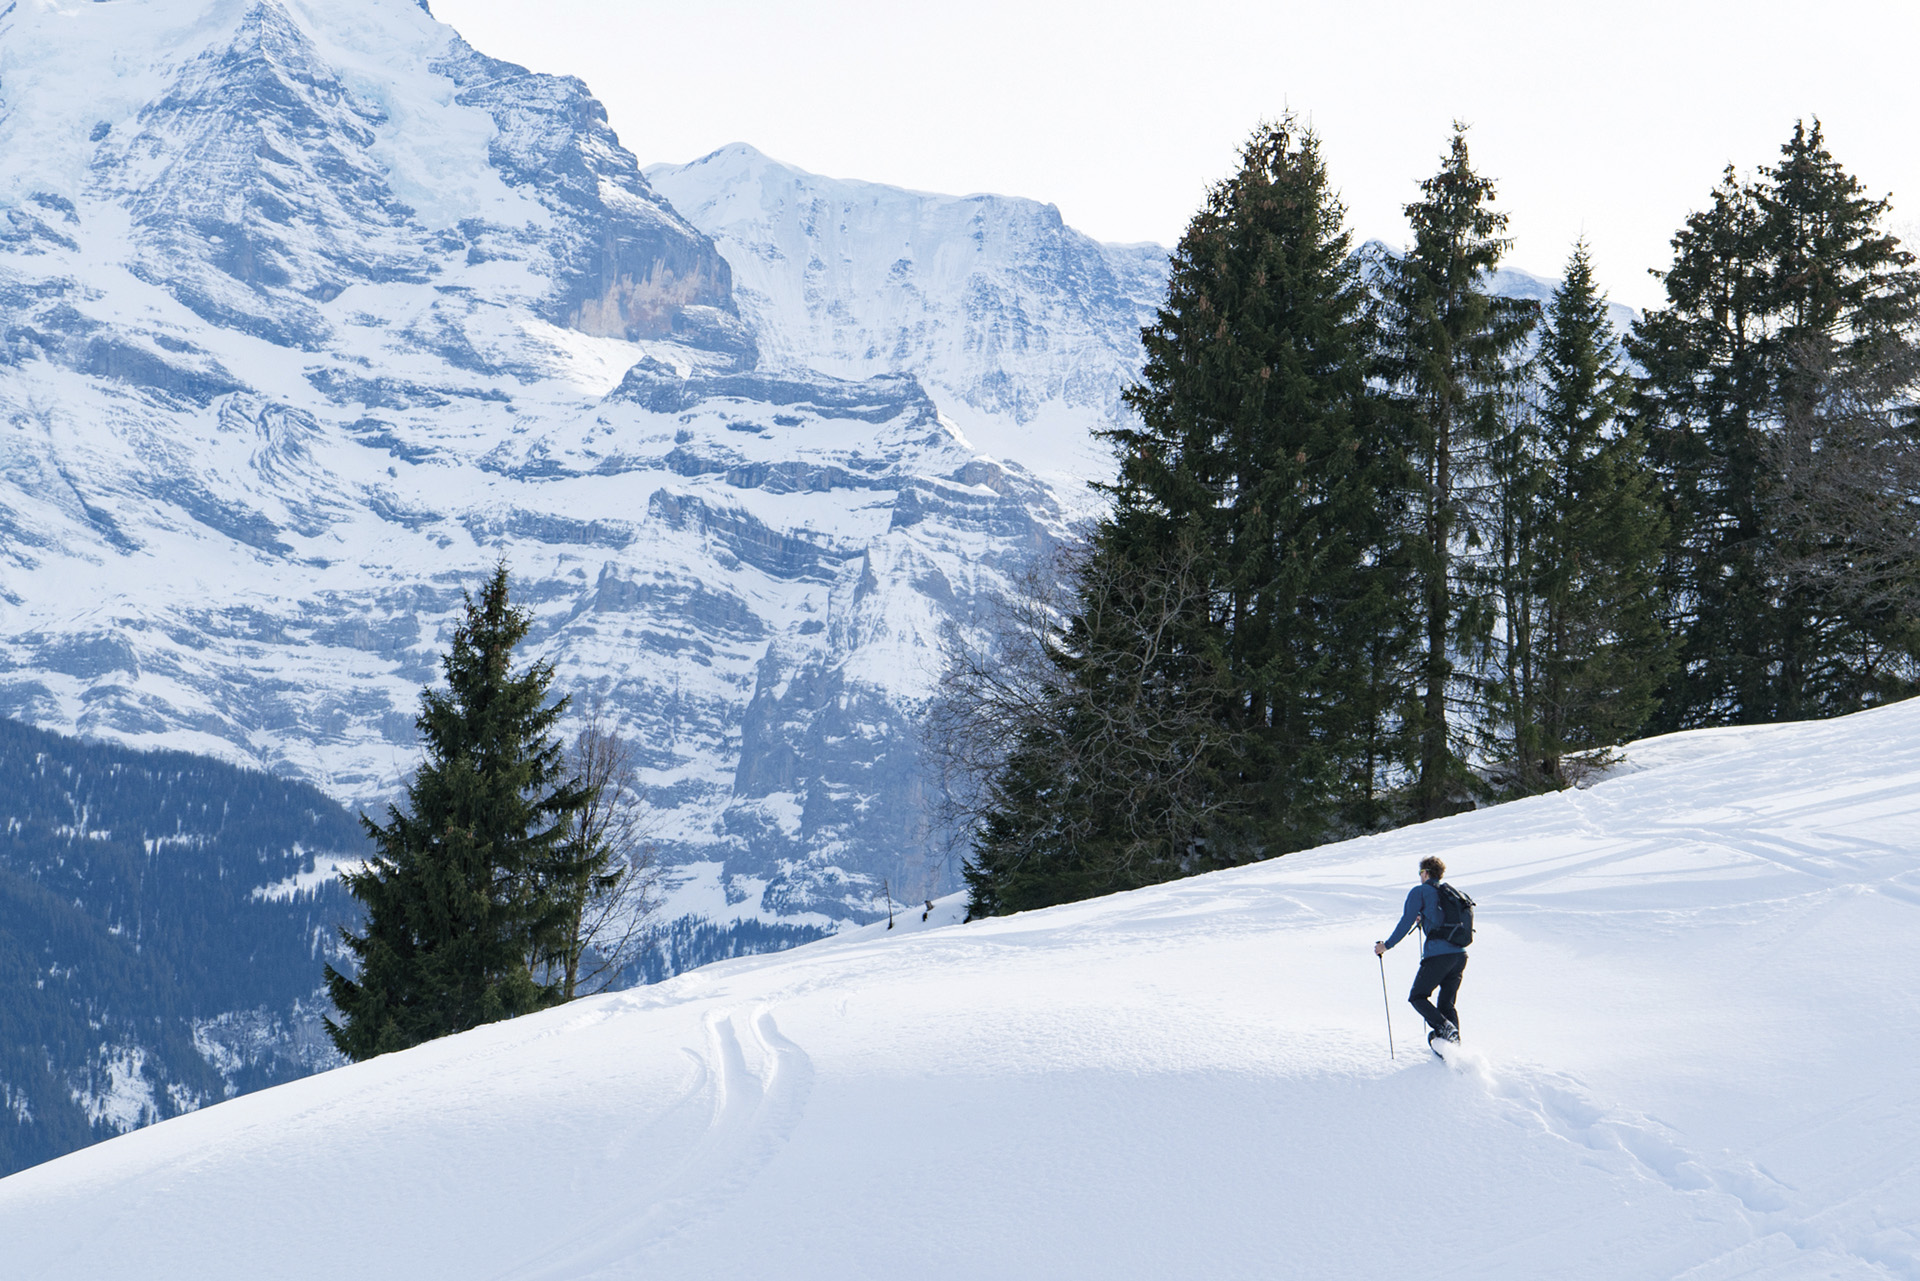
x=163, y=920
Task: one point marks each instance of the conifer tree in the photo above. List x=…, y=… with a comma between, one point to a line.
x=1243, y=596
x=1699, y=406
x=466, y=887
x=1585, y=647
x=1450, y=351
x=1846, y=299
x=1784, y=295
x=1261, y=445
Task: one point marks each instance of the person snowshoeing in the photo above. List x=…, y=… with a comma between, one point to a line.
x=1441, y=963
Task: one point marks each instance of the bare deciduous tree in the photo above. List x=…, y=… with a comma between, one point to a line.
x=1082, y=731
x=1848, y=457
x=998, y=684
x=613, y=899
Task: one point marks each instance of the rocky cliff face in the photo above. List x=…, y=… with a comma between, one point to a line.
x=311, y=314
x=266, y=179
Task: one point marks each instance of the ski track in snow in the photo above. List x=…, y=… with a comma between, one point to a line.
x=753, y=1109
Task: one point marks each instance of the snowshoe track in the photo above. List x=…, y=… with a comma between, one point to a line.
x=753, y=1109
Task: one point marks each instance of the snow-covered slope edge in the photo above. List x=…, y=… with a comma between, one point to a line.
x=1690, y=1002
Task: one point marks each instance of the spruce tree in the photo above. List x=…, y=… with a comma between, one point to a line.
x=1699, y=404
x=1241, y=599
x=1261, y=445
x=1588, y=648
x=1451, y=353
x=1784, y=295
x=466, y=890
x=1846, y=302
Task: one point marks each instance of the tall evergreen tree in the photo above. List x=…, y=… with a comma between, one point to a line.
x=1846, y=299
x=1699, y=405
x=467, y=888
x=1584, y=647
x=1784, y=289
x=1451, y=352
x=1242, y=597
x=1261, y=445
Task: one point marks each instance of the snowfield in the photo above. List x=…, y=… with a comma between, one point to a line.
x=1691, y=1013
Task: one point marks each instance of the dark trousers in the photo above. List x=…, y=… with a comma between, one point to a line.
x=1443, y=972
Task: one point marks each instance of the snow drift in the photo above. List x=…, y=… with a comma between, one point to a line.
x=1690, y=1007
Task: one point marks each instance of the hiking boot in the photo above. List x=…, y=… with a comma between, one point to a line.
x=1446, y=1032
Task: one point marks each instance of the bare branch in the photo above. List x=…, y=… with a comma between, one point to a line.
x=1848, y=457
x=618, y=888
x=1083, y=672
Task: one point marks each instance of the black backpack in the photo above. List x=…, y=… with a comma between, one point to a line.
x=1456, y=917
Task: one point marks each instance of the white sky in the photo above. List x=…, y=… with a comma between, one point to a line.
x=1613, y=123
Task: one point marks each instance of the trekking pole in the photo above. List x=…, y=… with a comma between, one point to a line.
x=1386, y=1005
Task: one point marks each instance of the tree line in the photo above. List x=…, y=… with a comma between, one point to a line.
x=1383, y=545
x=516, y=876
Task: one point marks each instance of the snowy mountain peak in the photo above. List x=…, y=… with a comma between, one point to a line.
x=268, y=157
x=1025, y=329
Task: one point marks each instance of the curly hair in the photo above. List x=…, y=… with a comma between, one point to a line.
x=1433, y=867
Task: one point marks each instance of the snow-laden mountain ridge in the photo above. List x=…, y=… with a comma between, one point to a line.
x=1026, y=330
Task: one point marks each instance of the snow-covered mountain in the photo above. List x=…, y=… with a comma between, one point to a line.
x=1506, y=282
x=1511, y=282
x=1025, y=330
x=1689, y=1007
x=311, y=313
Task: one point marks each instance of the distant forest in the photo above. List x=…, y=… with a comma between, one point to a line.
x=131, y=925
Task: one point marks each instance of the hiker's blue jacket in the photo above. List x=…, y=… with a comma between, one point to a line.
x=1423, y=905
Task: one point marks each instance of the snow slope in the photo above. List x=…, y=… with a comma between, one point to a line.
x=1691, y=1006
